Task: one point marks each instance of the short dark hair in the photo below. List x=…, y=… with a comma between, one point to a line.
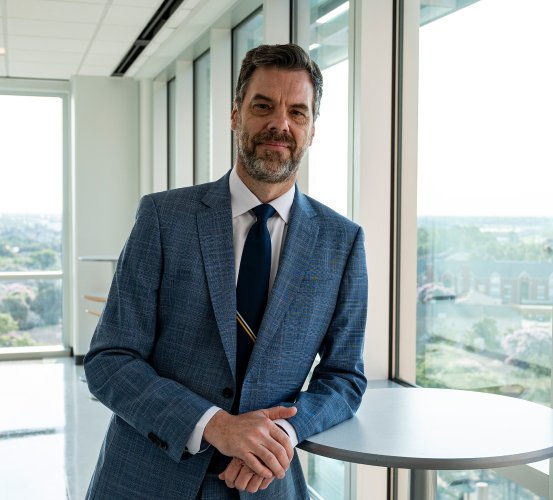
x=288, y=56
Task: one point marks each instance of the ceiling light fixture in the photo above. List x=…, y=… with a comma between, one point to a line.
x=158, y=20
x=329, y=16
x=2, y=51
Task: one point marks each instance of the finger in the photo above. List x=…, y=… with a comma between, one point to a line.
x=255, y=483
x=283, y=438
x=273, y=455
x=257, y=464
x=230, y=474
x=265, y=483
x=280, y=412
x=244, y=477
x=282, y=450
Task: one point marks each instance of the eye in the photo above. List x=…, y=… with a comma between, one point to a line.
x=260, y=106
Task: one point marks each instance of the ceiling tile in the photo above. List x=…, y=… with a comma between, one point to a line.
x=44, y=56
x=3, y=67
x=106, y=47
x=55, y=11
x=151, y=4
x=190, y=4
x=56, y=44
x=95, y=70
x=42, y=70
x=118, y=33
x=177, y=18
x=163, y=34
x=102, y=2
x=101, y=60
x=53, y=29
x=128, y=16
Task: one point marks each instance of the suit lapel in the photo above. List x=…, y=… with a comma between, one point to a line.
x=215, y=232
x=295, y=259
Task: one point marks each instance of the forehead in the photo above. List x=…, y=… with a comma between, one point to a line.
x=290, y=86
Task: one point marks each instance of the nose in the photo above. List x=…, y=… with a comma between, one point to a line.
x=279, y=120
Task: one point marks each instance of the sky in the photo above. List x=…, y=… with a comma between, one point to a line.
x=486, y=111
x=485, y=121
x=31, y=155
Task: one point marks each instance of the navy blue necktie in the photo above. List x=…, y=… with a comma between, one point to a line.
x=252, y=289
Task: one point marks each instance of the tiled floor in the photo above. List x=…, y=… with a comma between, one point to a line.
x=50, y=430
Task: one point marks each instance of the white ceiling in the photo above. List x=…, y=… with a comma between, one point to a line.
x=61, y=38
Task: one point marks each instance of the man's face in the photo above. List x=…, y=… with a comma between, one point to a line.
x=274, y=126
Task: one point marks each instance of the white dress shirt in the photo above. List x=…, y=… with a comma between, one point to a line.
x=242, y=201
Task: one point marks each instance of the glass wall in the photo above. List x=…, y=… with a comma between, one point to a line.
x=323, y=27
x=31, y=221
x=245, y=36
x=485, y=216
x=202, y=119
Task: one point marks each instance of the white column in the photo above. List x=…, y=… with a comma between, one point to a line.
x=159, y=178
x=146, y=136
x=221, y=101
x=184, y=73
x=276, y=20
x=409, y=148
x=106, y=185
x=371, y=141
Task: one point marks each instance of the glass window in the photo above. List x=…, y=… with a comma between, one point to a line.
x=323, y=24
x=31, y=221
x=485, y=217
x=245, y=36
x=202, y=119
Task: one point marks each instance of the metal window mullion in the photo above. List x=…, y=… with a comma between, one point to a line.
x=19, y=276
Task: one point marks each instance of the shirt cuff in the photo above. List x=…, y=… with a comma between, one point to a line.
x=289, y=429
x=195, y=440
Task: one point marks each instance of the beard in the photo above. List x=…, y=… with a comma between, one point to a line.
x=272, y=167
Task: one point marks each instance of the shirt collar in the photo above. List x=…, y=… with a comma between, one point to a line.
x=243, y=200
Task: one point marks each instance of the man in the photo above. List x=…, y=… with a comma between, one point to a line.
x=223, y=296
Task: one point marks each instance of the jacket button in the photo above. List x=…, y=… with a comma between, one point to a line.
x=228, y=392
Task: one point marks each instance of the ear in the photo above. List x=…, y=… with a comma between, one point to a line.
x=234, y=117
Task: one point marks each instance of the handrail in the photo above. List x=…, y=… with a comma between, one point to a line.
x=30, y=275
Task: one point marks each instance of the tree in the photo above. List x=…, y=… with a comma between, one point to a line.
x=43, y=259
x=47, y=303
x=7, y=323
x=530, y=344
x=17, y=303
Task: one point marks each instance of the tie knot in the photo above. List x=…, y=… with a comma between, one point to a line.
x=264, y=212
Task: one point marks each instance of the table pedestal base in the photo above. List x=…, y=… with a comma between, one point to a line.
x=423, y=484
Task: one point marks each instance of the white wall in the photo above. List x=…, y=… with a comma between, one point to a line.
x=106, y=184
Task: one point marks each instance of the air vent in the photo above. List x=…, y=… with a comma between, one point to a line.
x=158, y=20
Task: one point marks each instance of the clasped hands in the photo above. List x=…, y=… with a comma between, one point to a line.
x=261, y=450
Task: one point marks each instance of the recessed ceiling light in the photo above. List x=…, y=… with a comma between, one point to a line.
x=2, y=51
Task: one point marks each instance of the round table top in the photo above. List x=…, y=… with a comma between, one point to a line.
x=415, y=428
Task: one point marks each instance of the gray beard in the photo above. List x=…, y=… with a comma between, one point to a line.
x=270, y=169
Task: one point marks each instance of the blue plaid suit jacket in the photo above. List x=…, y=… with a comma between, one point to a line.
x=164, y=350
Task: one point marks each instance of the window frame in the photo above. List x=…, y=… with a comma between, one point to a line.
x=404, y=276
x=61, y=89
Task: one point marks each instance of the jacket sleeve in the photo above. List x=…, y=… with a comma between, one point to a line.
x=337, y=385
x=116, y=366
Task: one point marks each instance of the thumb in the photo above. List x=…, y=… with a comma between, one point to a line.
x=280, y=412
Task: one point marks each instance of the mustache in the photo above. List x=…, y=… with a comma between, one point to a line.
x=274, y=136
